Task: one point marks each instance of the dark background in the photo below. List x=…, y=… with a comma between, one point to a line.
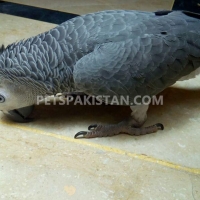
x=190, y=5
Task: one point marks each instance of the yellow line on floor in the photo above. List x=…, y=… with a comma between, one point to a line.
x=105, y=148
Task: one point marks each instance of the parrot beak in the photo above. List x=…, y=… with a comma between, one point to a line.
x=21, y=115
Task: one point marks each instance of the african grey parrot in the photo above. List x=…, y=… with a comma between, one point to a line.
x=115, y=53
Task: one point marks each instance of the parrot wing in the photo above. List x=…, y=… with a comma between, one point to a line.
x=145, y=65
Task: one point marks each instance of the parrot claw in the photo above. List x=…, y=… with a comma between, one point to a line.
x=160, y=126
x=81, y=133
x=91, y=127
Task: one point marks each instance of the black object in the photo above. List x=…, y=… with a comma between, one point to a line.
x=32, y=12
x=189, y=5
x=57, y=17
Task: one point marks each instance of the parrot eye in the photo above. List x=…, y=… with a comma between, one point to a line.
x=2, y=99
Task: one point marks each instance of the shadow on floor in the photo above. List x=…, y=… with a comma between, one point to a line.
x=179, y=105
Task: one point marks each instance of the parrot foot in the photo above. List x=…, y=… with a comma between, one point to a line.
x=116, y=129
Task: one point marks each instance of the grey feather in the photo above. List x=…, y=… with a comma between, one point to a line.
x=108, y=53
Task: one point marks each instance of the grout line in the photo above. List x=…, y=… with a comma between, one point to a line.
x=105, y=148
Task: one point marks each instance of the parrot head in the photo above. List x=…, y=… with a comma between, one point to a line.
x=15, y=101
x=18, y=91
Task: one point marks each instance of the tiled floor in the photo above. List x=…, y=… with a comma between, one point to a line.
x=41, y=160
